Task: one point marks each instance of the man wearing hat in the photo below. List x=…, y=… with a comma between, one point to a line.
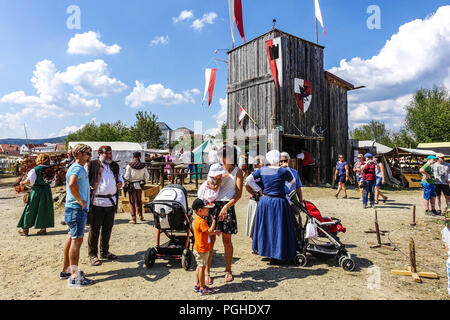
x=368, y=180
x=105, y=179
x=441, y=171
x=136, y=174
x=427, y=182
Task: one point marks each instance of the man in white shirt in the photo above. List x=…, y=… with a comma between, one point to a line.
x=105, y=179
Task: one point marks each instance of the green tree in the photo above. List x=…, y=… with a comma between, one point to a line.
x=428, y=115
x=116, y=131
x=403, y=138
x=374, y=130
x=146, y=129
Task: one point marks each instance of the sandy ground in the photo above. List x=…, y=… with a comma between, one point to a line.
x=30, y=266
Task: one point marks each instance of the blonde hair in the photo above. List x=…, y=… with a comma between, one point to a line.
x=43, y=159
x=80, y=148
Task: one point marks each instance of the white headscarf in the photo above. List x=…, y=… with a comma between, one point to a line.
x=273, y=157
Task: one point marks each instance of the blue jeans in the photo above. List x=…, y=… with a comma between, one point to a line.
x=76, y=221
x=369, y=188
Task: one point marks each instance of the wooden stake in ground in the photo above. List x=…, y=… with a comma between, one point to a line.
x=412, y=270
x=413, y=215
x=379, y=244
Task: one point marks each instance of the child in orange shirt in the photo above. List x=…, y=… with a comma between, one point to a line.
x=202, y=244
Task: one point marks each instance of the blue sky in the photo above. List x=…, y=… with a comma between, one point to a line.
x=111, y=69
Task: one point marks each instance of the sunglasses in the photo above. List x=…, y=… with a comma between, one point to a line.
x=281, y=161
x=88, y=153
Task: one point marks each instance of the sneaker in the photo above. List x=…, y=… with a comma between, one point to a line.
x=434, y=212
x=365, y=207
x=206, y=291
x=66, y=275
x=78, y=282
x=372, y=206
x=196, y=289
x=439, y=212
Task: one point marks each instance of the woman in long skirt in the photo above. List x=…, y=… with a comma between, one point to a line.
x=274, y=233
x=253, y=188
x=39, y=210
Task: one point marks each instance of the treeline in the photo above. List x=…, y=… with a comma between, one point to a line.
x=145, y=129
x=427, y=120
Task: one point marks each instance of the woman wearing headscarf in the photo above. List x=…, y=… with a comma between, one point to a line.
x=274, y=233
x=136, y=174
x=39, y=211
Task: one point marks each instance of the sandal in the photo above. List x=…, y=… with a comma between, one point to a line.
x=336, y=195
x=228, y=276
x=384, y=199
x=94, y=261
x=23, y=233
x=109, y=256
x=208, y=279
x=132, y=221
x=41, y=232
x=141, y=217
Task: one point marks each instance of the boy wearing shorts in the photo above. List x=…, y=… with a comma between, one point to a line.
x=202, y=244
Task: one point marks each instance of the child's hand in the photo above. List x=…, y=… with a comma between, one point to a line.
x=218, y=232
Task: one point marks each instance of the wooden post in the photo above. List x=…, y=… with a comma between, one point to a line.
x=196, y=175
x=161, y=179
x=413, y=215
x=377, y=228
x=379, y=244
x=412, y=255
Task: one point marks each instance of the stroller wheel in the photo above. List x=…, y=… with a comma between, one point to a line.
x=300, y=260
x=150, y=257
x=186, y=259
x=348, y=264
x=341, y=258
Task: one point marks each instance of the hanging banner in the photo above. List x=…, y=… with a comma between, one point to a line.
x=210, y=79
x=303, y=93
x=275, y=57
x=242, y=115
x=235, y=11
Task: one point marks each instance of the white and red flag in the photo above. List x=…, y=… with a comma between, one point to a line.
x=235, y=10
x=242, y=115
x=274, y=54
x=210, y=79
x=319, y=15
x=303, y=93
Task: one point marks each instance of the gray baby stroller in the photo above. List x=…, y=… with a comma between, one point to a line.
x=172, y=216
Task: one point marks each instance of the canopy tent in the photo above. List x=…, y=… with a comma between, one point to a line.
x=400, y=152
x=201, y=152
x=122, y=152
x=380, y=148
x=439, y=147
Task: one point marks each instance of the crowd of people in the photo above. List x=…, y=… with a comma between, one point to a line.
x=273, y=223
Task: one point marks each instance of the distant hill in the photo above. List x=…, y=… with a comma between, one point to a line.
x=32, y=141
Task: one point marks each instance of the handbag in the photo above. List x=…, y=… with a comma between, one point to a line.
x=311, y=230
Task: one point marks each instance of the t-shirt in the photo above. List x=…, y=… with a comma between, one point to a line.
x=341, y=168
x=446, y=237
x=83, y=186
x=428, y=169
x=369, y=172
x=440, y=172
x=202, y=242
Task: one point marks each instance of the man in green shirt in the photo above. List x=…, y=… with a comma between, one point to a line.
x=427, y=182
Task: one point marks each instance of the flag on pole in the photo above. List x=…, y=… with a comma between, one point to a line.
x=210, y=79
x=319, y=15
x=274, y=55
x=235, y=10
x=242, y=115
x=303, y=93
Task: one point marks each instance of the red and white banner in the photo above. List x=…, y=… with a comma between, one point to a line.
x=242, y=115
x=235, y=10
x=303, y=93
x=319, y=15
x=210, y=79
x=274, y=54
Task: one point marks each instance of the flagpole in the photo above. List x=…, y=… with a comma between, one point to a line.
x=317, y=34
x=246, y=112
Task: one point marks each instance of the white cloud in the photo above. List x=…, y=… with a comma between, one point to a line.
x=89, y=43
x=60, y=94
x=208, y=18
x=184, y=15
x=163, y=40
x=416, y=56
x=157, y=94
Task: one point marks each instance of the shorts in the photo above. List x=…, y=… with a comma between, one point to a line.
x=76, y=221
x=379, y=182
x=201, y=258
x=428, y=190
x=341, y=179
x=444, y=188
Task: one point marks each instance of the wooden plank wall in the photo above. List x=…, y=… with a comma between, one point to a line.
x=250, y=84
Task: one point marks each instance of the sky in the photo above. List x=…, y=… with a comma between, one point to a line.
x=67, y=63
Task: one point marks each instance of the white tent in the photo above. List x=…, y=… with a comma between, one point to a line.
x=381, y=149
x=122, y=151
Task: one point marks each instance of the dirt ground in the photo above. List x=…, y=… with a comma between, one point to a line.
x=30, y=266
